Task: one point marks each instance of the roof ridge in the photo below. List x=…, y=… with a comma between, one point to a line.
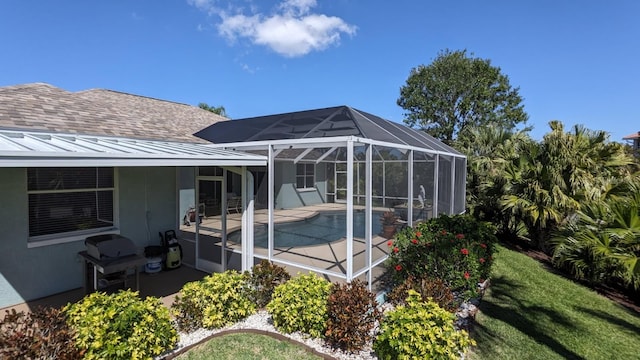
x=135, y=95
x=32, y=85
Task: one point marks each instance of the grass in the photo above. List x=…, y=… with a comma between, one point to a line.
x=247, y=346
x=528, y=312
x=531, y=313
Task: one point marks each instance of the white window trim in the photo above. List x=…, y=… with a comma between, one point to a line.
x=306, y=188
x=72, y=237
x=80, y=235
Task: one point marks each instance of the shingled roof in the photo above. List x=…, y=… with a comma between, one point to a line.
x=41, y=106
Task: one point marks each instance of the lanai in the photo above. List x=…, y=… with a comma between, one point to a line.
x=347, y=157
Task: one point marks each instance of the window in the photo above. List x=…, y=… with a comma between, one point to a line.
x=69, y=201
x=304, y=176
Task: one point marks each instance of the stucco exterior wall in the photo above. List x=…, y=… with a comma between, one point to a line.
x=146, y=205
x=286, y=194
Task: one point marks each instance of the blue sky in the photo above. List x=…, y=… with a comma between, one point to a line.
x=574, y=61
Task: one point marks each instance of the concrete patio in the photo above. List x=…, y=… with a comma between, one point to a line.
x=167, y=283
x=164, y=284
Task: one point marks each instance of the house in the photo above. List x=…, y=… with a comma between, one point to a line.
x=74, y=164
x=633, y=140
x=302, y=189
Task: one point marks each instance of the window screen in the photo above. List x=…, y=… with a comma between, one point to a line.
x=68, y=200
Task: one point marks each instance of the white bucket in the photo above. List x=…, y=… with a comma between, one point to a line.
x=154, y=265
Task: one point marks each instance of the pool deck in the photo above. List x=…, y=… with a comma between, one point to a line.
x=330, y=257
x=212, y=225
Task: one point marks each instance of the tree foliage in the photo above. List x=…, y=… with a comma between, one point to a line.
x=573, y=194
x=220, y=110
x=529, y=188
x=551, y=180
x=602, y=243
x=456, y=93
x=490, y=151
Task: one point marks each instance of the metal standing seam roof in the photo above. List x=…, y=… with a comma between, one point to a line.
x=25, y=149
x=319, y=123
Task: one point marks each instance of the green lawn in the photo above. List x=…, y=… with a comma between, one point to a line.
x=531, y=313
x=247, y=346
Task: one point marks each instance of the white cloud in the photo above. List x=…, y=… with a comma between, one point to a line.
x=205, y=5
x=302, y=6
x=292, y=30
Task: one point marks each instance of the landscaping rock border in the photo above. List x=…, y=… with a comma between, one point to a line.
x=250, y=331
x=260, y=323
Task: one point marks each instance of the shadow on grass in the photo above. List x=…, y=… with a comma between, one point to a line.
x=612, y=319
x=485, y=338
x=504, y=305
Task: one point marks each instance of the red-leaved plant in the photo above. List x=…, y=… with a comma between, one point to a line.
x=352, y=313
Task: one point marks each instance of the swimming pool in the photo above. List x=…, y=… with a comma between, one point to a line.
x=321, y=229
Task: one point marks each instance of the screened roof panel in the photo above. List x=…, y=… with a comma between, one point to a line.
x=319, y=123
x=408, y=135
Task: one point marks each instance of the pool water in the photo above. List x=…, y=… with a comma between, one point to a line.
x=320, y=229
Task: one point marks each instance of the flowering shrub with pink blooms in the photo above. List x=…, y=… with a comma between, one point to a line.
x=455, y=249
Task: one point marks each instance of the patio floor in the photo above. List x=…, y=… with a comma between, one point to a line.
x=166, y=284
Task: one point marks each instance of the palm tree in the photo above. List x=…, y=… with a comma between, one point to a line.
x=551, y=180
x=602, y=243
x=489, y=150
x=214, y=109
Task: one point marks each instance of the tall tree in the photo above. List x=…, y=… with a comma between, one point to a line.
x=489, y=151
x=456, y=93
x=550, y=181
x=214, y=109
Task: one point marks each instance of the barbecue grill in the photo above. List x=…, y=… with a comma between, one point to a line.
x=108, y=259
x=110, y=246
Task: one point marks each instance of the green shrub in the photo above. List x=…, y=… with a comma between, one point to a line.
x=456, y=249
x=434, y=289
x=300, y=304
x=263, y=279
x=217, y=300
x=420, y=330
x=42, y=334
x=121, y=326
x=352, y=312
